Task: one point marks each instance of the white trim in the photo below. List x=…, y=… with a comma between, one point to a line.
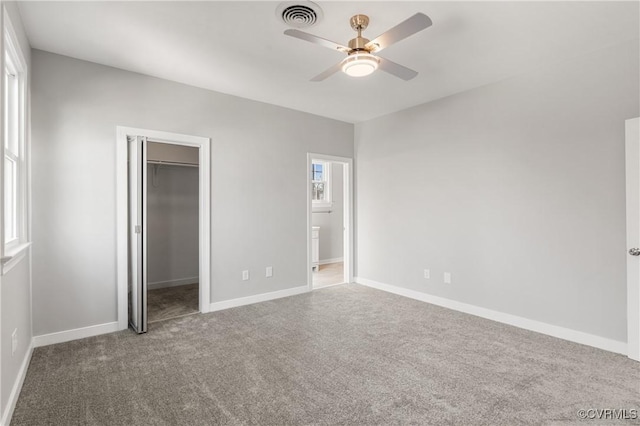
x=122, y=218
x=75, y=334
x=172, y=283
x=3, y=24
x=204, y=219
x=17, y=386
x=12, y=42
x=16, y=254
x=328, y=261
x=257, y=298
x=2, y=124
x=516, y=321
x=632, y=169
x=348, y=190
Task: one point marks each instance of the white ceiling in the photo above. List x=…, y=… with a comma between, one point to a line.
x=238, y=47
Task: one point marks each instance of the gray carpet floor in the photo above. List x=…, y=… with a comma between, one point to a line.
x=346, y=355
x=171, y=302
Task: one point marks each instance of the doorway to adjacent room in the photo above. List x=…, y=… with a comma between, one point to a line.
x=330, y=220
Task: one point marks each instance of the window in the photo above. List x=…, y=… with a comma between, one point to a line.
x=13, y=105
x=320, y=184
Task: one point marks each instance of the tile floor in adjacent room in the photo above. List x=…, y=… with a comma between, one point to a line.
x=329, y=274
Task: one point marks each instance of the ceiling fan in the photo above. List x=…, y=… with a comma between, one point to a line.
x=362, y=58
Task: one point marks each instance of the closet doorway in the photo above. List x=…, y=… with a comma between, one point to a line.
x=172, y=231
x=163, y=226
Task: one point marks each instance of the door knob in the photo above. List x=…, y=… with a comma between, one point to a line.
x=634, y=251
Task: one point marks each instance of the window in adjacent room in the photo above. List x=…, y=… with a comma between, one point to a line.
x=320, y=184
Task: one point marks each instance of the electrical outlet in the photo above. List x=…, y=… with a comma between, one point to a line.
x=245, y=275
x=427, y=274
x=447, y=277
x=269, y=271
x=14, y=341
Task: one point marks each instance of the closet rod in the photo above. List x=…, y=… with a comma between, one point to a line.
x=172, y=163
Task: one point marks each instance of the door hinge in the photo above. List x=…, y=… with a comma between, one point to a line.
x=137, y=229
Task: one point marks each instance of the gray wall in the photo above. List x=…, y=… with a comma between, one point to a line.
x=16, y=314
x=15, y=309
x=258, y=182
x=331, y=225
x=516, y=188
x=172, y=224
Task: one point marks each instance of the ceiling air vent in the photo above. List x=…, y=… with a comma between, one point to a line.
x=300, y=14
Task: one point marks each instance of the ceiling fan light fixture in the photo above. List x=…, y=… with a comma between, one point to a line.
x=360, y=64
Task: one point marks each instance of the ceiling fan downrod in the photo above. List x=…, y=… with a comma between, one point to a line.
x=359, y=23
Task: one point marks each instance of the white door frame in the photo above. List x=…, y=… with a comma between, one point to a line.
x=347, y=213
x=632, y=156
x=204, y=219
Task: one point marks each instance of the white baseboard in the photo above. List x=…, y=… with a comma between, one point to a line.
x=78, y=333
x=525, y=323
x=172, y=283
x=257, y=298
x=334, y=260
x=17, y=387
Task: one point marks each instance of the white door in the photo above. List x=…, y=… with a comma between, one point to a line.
x=137, y=288
x=632, y=153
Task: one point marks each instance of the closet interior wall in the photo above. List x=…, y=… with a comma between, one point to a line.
x=172, y=222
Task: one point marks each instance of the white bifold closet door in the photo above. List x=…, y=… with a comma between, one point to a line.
x=138, y=233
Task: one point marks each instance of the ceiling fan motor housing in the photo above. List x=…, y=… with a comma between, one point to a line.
x=358, y=44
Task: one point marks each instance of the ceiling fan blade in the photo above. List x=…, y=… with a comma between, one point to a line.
x=396, y=69
x=328, y=72
x=417, y=22
x=317, y=40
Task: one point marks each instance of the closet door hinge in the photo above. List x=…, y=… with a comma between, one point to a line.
x=137, y=229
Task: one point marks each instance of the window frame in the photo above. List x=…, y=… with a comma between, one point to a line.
x=15, y=65
x=327, y=203
x=11, y=143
